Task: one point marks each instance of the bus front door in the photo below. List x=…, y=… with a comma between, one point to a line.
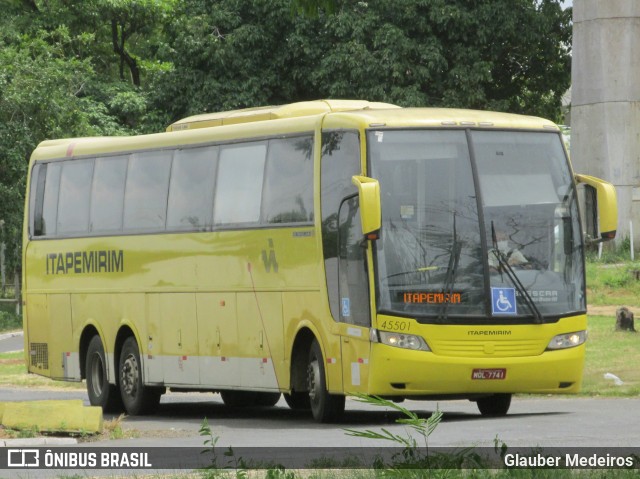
x=355, y=314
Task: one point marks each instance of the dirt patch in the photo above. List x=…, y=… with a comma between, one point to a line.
x=605, y=310
x=12, y=361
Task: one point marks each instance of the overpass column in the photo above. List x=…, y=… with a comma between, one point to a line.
x=605, y=106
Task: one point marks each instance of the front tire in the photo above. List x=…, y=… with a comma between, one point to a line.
x=137, y=398
x=325, y=407
x=298, y=401
x=495, y=405
x=100, y=392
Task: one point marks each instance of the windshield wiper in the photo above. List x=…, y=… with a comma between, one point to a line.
x=424, y=269
x=452, y=268
x=503, y=265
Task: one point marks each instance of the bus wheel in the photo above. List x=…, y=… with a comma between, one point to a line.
x=100, y=392
x=494, y=405
x=249, y=398
x=137, y=398
x=325, y=407
x=298, y=401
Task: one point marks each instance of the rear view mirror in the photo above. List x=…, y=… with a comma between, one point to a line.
x=601, y=208
x=369, y=194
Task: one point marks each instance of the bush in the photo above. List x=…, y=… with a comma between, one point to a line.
x=9, y=321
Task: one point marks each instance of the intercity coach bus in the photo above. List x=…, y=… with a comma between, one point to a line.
x=315, y=250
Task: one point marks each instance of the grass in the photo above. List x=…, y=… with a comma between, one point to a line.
x=613, y=284
x=614, y=352
x=608, y=351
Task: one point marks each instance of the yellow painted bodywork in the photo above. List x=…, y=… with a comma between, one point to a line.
x=200, y=303
x=447, y=369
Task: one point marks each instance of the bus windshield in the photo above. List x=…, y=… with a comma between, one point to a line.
x=476, y=226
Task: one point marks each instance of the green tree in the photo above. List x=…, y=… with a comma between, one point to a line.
x=228, y=54
x=509, y=55
x=42, y=96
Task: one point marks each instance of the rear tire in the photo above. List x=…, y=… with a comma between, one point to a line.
x=137, y=398
x=100, y=392
x=495, y=405
x=325, y=407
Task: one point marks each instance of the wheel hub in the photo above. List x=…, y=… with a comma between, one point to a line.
x=313, y=380
x=129, y=376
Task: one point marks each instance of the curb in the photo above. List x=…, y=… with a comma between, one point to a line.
x=51, y=416
x=38, y=441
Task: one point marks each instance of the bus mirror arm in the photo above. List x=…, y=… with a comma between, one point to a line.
x=590, y=240
x=370, y=212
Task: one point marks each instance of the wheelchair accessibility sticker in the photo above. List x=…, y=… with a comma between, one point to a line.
x=503, y=301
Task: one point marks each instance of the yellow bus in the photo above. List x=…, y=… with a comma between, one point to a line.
x=314, y=250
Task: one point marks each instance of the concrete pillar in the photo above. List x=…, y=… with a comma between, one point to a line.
x=605, y=110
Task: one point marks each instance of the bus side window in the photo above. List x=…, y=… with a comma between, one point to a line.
x=190, y=204
x=107, y=195
x=50, y=199
x=352, y=267
x=74, y=197
x=36, y=199
x=145, y=198
x=288, y=185
x=238, y=194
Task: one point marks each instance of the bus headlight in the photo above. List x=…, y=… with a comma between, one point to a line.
x=401, y=340
x=569, y=340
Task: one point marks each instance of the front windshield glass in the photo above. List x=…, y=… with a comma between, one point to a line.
x=438, y=258
x=429, y=253
x=531, y=221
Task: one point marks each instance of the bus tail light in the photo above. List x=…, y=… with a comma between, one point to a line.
x=399, y=340
x=568, y=340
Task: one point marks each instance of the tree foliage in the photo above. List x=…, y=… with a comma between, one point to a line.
x=112, y=67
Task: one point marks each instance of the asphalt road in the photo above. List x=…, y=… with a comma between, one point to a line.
x=532, y=421
x=11, y=342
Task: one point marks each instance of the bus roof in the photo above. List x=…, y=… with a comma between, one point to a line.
x=291, y=118
x=444, y=117
x=368, y=114
x=292, y=110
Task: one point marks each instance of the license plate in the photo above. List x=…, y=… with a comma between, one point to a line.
x=488, y=374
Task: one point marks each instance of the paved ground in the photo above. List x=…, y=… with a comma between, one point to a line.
x=11, y=342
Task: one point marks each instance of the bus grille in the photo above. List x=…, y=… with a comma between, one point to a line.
x=40, y=355
x=476, y=349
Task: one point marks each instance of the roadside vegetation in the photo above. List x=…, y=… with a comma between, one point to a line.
x=613, y=284
x=9, y=320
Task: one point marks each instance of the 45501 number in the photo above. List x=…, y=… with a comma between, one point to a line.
x=395, y=325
